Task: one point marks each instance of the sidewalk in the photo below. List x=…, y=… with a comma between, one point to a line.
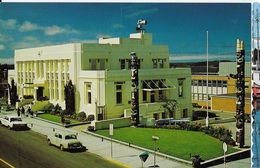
x=122, y=155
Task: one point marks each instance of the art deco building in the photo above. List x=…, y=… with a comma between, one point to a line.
x=102, y=77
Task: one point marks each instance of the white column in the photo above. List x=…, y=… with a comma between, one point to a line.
x=35, y=93
x=59, y=79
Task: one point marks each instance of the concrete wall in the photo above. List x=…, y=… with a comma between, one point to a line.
x=222, y=103
x=117, y=123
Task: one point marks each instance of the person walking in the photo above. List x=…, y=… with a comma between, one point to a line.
x=18, y=112
x=23, y=111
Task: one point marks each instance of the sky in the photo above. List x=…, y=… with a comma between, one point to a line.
x=255, y=15
x=182, y=27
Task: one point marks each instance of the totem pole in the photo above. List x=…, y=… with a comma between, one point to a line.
x=134, y=89
x=240, y=94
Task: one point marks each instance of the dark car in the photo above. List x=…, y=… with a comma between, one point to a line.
x=196, y=105
x=198, y=115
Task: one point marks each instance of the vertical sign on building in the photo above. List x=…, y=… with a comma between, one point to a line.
x=134, y=90
x=240, y=94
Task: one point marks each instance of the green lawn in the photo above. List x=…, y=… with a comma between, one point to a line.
x=176, y=143
x=56, y=119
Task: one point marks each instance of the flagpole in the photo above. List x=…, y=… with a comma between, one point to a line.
x=207, y=119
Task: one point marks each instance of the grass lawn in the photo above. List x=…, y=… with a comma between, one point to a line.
x=56, y=119
x=176, y=143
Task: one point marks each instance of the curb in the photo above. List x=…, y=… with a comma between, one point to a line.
x=118, y=163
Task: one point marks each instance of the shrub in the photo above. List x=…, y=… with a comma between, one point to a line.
x=28, y=96
x=43, y=98
x=82, y=116
x=91, y=117
x=220, y=132
x=48, y=107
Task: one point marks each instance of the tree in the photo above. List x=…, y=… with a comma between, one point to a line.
x=13, y=93
x=70, y=98
x=169, y=106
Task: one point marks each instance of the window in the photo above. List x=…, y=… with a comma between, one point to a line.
x=154, y=63
x=247, y=84
x=163, y=115
x=152, y=97
x=144, y=96
x=155, y=116
x=129, y=64
x=224, y=83
x=161, y=94
x=102, y=64
x=125, y=63
x=122, y=63
x=180, y=87
x=161, y=63
x=184, y=113
x=88, y=97
x=93, y=64
x=63, y=77
x=118, y=94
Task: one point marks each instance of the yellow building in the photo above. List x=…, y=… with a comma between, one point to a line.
x=221, y=88
x=102, y=77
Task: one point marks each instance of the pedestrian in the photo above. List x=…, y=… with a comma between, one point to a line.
x=62, y=119
x=29, y=112
x=23, y=111
x=18, y=112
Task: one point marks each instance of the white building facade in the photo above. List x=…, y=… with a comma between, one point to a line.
x=102, y=77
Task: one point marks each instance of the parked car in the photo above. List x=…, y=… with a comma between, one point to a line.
x=167, y=121
x=14, y=122
x=198, y=115
x=65, y=141
x=196, y=105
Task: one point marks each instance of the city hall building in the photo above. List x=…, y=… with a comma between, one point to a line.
x=101, y=74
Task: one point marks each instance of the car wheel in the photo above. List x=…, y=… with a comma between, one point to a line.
x=49, y=142
x=61, y=148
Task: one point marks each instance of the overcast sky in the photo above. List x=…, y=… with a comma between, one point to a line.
x=181, y=26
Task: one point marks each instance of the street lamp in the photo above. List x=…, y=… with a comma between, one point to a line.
x=155, y=138
x=96, y=117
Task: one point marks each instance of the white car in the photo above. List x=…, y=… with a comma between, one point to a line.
x=65, y=141
x=14, y=122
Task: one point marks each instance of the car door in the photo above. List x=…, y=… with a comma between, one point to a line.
x=55, y=139
x=59, y=140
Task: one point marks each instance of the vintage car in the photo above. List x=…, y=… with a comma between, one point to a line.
x=14, y=122
x=65, y=141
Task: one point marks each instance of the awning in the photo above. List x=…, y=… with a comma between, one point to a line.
x=157, y=84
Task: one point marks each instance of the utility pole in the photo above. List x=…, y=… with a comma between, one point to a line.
x=207, y=118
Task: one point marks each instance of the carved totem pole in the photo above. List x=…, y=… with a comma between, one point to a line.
x=134, y=89
x=240, y=94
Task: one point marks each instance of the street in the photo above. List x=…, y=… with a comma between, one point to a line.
x=26, y=149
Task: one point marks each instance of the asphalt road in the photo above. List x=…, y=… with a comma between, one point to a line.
x=28, y=149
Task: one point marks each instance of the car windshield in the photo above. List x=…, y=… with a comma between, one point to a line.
x=70, y=137
x=16, y=119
